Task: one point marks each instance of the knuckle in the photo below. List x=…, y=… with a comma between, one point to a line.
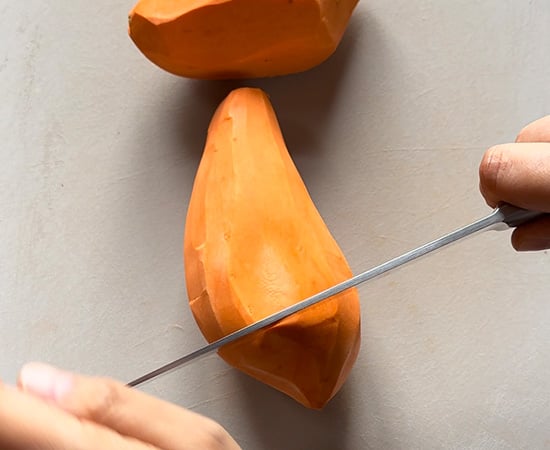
x=104, y=400
x=537, y=131
x=525, y=134
x=215, y=436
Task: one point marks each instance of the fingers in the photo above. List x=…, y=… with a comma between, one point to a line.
x=532, y=236
x=518, y=174
x=537, y=131
x=125, y=410
x=29, y=423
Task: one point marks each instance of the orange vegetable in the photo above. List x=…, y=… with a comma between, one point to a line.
x=254, y=244
x=216, y=39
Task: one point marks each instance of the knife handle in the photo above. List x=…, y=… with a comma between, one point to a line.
x=514, y=216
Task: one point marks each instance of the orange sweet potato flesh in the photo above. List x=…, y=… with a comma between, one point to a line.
x=254, y=244
x=220, y=39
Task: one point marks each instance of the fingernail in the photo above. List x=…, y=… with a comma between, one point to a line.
x=45, y=381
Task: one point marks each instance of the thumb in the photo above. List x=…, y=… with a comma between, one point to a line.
x=518, y=174
x=125, y=410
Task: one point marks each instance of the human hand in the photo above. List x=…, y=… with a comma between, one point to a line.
x=55, y=410
x=519, y=174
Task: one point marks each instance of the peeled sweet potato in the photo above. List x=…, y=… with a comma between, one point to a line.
x=219, y=39
x=254, y=244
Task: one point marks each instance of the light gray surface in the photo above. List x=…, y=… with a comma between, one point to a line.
x=99, y=150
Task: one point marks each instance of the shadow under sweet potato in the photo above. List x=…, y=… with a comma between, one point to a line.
x=279, y=422
x=299, y=100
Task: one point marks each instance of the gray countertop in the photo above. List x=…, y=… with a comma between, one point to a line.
x=99, y=151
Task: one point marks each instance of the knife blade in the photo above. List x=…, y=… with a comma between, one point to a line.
x=503, y=217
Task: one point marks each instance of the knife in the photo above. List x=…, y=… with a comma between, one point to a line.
x=501, y=218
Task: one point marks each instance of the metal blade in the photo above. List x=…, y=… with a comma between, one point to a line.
x=503, y=217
